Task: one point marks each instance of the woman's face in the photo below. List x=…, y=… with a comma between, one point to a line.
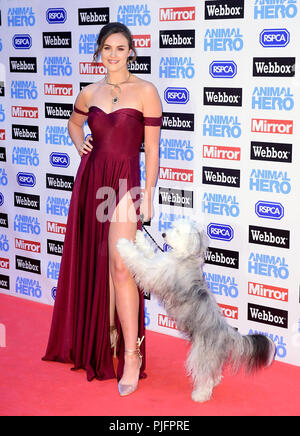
x=115, y=52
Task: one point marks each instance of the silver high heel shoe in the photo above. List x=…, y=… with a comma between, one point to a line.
x=129, y=389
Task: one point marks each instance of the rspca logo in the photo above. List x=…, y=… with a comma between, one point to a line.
x=134, y=15
x=53, y=292
x=87, y=43
x=229, y=39
x=20, y=17
x=222, y=285
x=274, y=37
x=268, y=266
x=269, y=210
x=220, y=204
x=223, y=69
x=270, y=181
x=23, y=90
x=275, y=9
x=221, y=232
x=60, y=160
x=26, y=179
x=27, y=224
x=176, y=149
x=57, y=66
x=22, y=42
x=176, y=68
x=271, y=98
x=56, y=15
x=222, y=126
x=176, y=95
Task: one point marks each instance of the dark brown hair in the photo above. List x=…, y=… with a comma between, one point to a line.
x=110, y=29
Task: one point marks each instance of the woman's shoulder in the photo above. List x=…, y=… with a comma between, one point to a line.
x=145, y=85
x=90, y=88
x=150, y=98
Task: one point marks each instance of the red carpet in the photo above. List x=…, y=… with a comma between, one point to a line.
x=32, y=387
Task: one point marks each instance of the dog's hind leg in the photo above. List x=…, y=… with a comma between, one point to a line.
x=205, y=368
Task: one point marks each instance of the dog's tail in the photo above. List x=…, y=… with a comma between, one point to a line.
x=252, y=351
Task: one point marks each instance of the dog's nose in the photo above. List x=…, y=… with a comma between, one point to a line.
x=163, y=235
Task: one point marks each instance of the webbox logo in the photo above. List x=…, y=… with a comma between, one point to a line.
x=222, y=10
x=268, y=315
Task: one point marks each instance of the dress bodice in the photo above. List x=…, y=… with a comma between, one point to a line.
x=120, y=132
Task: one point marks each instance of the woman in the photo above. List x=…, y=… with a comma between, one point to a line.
x=98, y=305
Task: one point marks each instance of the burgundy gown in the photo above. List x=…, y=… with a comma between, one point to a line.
x=80, y=331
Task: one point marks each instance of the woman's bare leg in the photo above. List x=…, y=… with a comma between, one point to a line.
x=126, y=292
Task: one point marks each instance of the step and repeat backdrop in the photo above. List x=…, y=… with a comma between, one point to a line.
x=228, y=76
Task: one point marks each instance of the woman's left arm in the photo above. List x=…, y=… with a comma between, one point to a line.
x=151, y=108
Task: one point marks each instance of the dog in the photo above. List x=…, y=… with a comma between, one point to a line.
x=176, y=278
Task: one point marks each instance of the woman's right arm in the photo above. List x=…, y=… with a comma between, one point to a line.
x=75, y=125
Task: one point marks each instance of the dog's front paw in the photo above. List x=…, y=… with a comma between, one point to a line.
x=143, y=244
x=124, y=247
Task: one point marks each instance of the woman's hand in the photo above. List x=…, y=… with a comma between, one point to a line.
x=86, y=146
x=146, y=207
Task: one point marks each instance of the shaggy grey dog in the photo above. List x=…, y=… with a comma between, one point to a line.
x=176, y=279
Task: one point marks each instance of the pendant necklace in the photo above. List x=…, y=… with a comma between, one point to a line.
x=116, y=90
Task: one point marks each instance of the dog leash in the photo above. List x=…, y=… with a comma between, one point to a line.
x=144, y=228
